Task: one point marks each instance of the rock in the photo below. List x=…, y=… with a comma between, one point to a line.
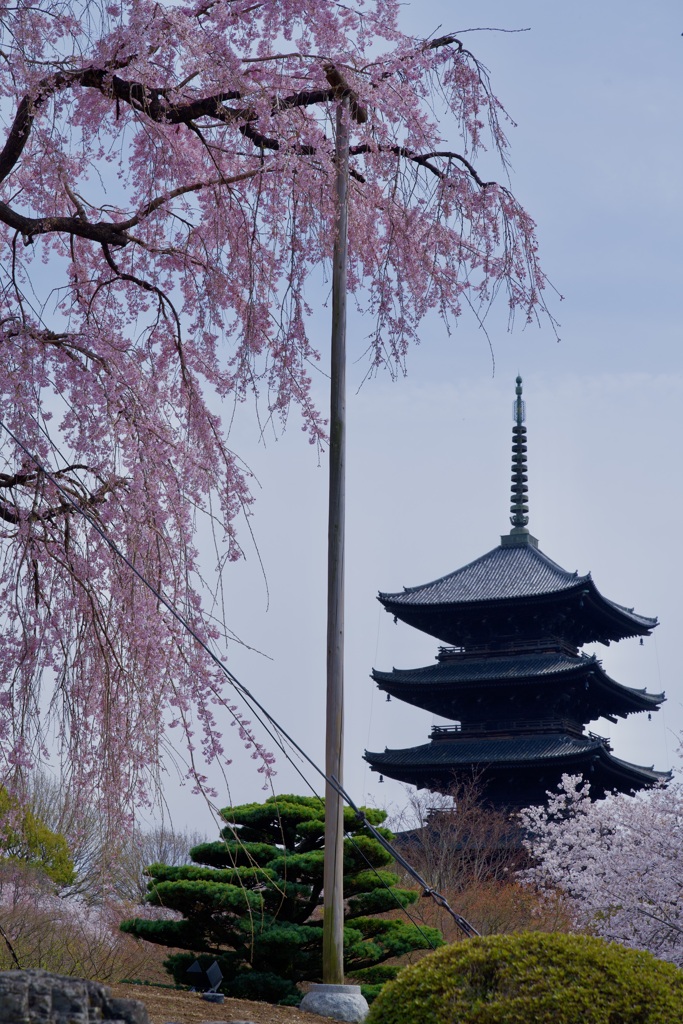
x=38, y=997
x=132, y=1011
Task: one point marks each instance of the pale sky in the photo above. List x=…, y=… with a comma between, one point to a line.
x=595, y=90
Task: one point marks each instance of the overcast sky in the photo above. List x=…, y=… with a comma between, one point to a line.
x=595, y=90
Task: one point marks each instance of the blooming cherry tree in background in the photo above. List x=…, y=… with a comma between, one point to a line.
x=619, y=860
x=166, y=218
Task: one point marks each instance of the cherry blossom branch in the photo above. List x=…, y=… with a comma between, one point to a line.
x=15, y=515
x=424, y=160
x=29, y=227
x=164, y=303
x=183, y=190
x=30, y=105
x=170, y=178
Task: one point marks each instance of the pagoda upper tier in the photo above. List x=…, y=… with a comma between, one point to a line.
x=513, y=594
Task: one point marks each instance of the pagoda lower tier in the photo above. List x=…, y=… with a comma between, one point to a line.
x=516, y=768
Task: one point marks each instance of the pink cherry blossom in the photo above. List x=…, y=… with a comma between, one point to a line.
x=166, y=211
x=618, y=860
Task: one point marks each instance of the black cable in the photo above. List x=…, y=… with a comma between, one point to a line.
x=441, y=901
x=249, y=698
x=361, y=817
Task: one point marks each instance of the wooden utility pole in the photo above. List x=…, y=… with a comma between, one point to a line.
x=333, y=900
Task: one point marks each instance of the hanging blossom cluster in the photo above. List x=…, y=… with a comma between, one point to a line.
x=166, y=207
x=618, y=860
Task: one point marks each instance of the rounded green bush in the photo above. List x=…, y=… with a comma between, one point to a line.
x=533, y=978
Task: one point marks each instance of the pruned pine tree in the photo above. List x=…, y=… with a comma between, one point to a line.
x=251, y=902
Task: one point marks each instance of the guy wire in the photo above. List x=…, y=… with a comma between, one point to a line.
x=249, y=698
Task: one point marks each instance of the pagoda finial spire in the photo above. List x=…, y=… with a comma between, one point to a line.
x=519, y=506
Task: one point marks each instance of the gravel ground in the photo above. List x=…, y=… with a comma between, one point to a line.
x=165, y=1005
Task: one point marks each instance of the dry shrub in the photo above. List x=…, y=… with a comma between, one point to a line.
x=68, y=936
x=496, y=908
x=471, y=854
x=72, y=927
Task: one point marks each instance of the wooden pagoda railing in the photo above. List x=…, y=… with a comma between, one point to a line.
x=527, y=725
x=509, y=645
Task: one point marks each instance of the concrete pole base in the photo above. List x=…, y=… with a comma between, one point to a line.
x=342, y=1002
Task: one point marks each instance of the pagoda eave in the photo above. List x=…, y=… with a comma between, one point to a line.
x=456, y=686
x=515, y=772
x=580, y=613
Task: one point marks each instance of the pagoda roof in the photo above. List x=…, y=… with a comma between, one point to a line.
x=500, y=574
x=455, y=673
x=533, y=753
x=512, y=577
x=503, y=750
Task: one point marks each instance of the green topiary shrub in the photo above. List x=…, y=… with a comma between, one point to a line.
x=252, y=902
x=533, y=978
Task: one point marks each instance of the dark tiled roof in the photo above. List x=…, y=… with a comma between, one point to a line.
x=462, y=670
x=505, y=572
x=656, y=776
x=478, y=750
x=518, y=751
x=509, y=573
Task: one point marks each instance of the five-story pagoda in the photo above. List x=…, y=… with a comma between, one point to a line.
x=512, y=679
